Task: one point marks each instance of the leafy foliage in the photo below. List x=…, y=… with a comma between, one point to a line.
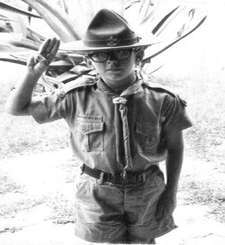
x=166, y=27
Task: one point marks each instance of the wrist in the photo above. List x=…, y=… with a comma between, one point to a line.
x=171, y=190
x=35, y=74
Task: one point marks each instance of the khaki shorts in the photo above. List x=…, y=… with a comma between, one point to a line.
x=119, y=214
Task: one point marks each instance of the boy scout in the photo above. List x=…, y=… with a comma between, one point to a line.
x=120, y=127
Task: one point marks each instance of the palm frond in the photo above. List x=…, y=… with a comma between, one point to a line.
x=25, y=43
x=145, y=9
x=169, y=43
x=16, y=59
x=18, y=40
x=16, y=10
x=163, y=20
x=131, y=3
x=5, y=18
x=61, y=16
x=55, y=19
x=168, y=25
x=144, y=12
x=34, y=36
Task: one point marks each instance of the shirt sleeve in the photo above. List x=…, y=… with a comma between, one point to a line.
x=51, y=107
x=174, y=114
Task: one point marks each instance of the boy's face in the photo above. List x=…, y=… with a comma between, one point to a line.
x=114, y=67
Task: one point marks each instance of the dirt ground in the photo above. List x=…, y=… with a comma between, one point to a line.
x=39, y=209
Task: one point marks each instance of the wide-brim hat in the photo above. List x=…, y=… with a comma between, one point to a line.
x=108, y=31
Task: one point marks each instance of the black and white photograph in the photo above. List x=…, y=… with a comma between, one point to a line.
x=112, y=126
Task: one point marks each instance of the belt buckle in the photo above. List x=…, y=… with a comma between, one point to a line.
x=126, y=180
x=124, y=177
x=140, y=178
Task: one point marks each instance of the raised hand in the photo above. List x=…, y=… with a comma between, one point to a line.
x=37, y=64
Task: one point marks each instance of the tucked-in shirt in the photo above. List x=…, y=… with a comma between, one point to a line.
x=89, y=112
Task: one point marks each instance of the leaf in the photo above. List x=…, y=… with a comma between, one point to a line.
x=163, y=20
x=12, y=59
x=131, y=4
x=144, y=10
x=81, y=69
x=25, y=43
x=61, y=63
x=55, y=19
x=18, y=40
x=4, y=18
x=169, y=43
x=17, y=10
x=34, y=36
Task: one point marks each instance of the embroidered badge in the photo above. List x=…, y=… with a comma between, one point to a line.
x=112, y=41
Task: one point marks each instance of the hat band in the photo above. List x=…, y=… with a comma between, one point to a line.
x=111, y=42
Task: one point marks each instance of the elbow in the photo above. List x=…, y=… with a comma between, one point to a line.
x=9, y=108
x=13, y=109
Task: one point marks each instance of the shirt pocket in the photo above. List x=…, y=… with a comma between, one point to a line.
x=147, y=137
x=89, y=133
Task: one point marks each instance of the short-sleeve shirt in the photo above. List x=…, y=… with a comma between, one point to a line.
x=89, y=113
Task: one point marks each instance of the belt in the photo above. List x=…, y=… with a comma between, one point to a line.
x=118, y=178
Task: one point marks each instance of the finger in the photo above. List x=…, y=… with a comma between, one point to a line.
x=55, y=47
x=31, y=62
x=44, y=45
x=51, y=46
x=46, y=48
x=53, y=52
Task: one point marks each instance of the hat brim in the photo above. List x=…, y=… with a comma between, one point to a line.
x=80, y=48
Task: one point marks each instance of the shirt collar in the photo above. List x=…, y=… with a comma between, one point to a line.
x=132, y=89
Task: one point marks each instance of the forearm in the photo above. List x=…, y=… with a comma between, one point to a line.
x=173, y=168
x=20, y=98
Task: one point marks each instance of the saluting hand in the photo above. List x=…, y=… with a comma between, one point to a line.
x=37, y=64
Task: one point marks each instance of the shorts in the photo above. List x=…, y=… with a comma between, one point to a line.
x=119, y=213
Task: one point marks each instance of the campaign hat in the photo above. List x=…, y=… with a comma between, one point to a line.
x=108, y=31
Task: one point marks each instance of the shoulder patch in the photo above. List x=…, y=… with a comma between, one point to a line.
x=82, y=81
x=158, y=88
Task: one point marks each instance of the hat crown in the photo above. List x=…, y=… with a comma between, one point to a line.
x=109, y=29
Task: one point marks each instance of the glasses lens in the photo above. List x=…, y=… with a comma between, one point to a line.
x=118, y=54
x=99, y=57
x=123, y=54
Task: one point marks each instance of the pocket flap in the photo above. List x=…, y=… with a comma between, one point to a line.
x=89, y=127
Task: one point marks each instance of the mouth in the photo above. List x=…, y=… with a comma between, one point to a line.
x=114, y=69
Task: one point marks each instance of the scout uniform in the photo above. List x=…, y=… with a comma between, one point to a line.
x=110, y=204
x=119, y=140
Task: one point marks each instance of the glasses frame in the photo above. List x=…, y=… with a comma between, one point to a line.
x=109, y=54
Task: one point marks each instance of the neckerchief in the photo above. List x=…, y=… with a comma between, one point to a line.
x=121, y=124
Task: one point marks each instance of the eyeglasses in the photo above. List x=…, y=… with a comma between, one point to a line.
x=100, y=57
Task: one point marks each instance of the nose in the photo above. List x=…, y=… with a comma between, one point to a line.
x=112, y=57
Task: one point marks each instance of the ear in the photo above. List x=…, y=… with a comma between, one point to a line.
x=88, y=61
x=139, y=52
